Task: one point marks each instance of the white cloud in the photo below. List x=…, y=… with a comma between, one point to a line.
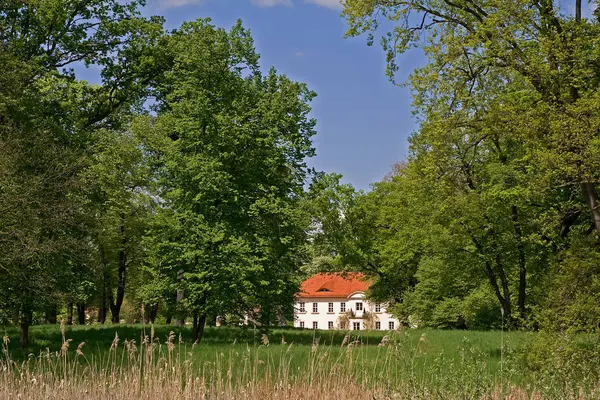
x=166, y=4
x=271, y=3
x=333, y=4
x=299, y=53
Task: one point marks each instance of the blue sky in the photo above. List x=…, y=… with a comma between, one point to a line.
x=363, y=119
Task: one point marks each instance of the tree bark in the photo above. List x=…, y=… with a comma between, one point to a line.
x=103, y=311
x=81, y=313
x=168, y=319
x=70, y=313
x=198, y=329
x=115, y=306
x=180, y=294
x=522, y=261
x=591, y=197
x=577, y=10
x=194, y=326
x=506, y=306
x=152, y=313
x=50, y=314
x=504, y=300
x=25, y=323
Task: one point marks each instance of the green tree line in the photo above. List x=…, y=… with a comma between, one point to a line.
x=177, y=181
x=180, y=183
x=494, y=216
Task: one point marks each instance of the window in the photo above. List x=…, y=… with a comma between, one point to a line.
x=330, y=309
x=391, y=325
x=378, y=325
x=302, y=306
x=315, y=325
x=377, y=307
x=356, y=326
x=330, y=325
x=359, y=306
x=315, y=307
x=342, y=307
x=301, y=324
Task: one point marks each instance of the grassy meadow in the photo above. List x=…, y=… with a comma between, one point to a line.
x=161, y=362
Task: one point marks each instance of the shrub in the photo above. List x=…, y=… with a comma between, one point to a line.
x=480, y=310
x=448, y=315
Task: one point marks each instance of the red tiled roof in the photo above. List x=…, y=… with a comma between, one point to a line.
x=334, y=285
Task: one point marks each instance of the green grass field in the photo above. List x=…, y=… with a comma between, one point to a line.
x=412, y=353
x=424, y=363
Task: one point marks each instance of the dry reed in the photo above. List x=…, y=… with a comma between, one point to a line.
x=155, y=370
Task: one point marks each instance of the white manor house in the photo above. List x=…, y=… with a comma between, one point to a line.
x=338, y=301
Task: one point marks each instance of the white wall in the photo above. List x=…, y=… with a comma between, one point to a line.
x=322, y=317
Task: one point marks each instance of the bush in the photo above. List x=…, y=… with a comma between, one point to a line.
x=481, y=311
x=448, y=315
x=558, y=360
x=573, y=295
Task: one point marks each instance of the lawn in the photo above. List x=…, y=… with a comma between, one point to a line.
x=424, y=363
x=415, y=352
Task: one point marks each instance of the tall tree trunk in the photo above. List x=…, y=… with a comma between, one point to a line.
x=494, y=283
x=103, y=311
x=70, y=313
x=578, y=10
x=591, y=197
x=503, y=299
x=81, y=313
x=522, y=260
x=50, y=314
x=168, y=319
x=198, y=329
x=152, y=313
x=506, y=302
x=25, y=323
x=115, y=306
x=506, y=306
x=194, y=326
x=199, y=322
x=180, y=294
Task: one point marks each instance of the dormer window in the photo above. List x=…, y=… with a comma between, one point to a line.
x=323, y=290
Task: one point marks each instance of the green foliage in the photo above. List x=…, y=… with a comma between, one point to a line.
x=447, y=314
x=571, y=306
x=48, y=121
x=562, y=359
x=505, y=155
x=231, y=220
x=480, y=310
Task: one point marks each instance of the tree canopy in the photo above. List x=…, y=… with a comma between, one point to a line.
x=179, y=185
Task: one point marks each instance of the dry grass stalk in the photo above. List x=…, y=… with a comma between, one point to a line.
x=157, y=372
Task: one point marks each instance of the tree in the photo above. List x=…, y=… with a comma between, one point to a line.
x=507, y=138
x=231, y=147
x=552, y=54
x=119, y=181
x=366, y=233
x=46, y=117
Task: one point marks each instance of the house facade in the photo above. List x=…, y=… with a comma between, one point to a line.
x=338, y=301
